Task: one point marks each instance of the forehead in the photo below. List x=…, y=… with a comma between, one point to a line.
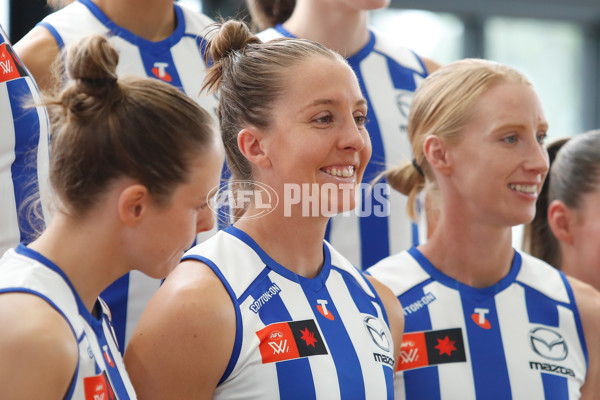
x=320, y=77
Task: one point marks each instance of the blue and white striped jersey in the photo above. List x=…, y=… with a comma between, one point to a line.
x=100, y=372
x=178, y=60
x=388, y=75
x=23, y=151
x=518, y=339
x=321, y=338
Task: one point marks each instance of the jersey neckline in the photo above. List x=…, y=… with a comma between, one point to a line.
x=147, y=45
x=315, y=283
x=23, y=250
x=452, y=283
x=353, y=59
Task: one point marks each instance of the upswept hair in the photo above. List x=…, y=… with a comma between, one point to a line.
x=105, y=127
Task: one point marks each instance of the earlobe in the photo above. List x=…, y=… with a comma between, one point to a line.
x=251, y=145
x=133, y=204
x=560, y=220
x=436, y=153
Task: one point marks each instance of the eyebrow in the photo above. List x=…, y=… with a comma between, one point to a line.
x=541, y=125
x=319, y=102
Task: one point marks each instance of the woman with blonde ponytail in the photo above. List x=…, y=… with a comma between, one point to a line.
x=266, y=308
x=484, y=320
x=133, y=162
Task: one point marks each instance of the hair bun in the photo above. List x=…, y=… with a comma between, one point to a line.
x=92, y=61
x=232, y=36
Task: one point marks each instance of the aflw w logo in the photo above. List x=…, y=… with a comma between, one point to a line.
x=279, y=347
x=409, y=356
x=6, y=66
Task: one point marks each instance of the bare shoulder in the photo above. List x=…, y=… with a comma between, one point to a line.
x=394, y=311
x=39, y=347
x=39, y=52
x=588, y=304
x=430, y=65
x=184, y=339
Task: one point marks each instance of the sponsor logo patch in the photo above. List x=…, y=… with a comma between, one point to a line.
x=322, y=308
x=289, y=340
x=10, y=68
x=422, y=349
x=479, y=318
x=98, y=388
x=548, y=344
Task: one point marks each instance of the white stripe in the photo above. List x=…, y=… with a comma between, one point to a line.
x=456, y=379
x=141, y=289
x=345, y=235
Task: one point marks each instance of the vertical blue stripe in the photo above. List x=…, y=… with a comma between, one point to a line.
x=374, y=230
x=573, y=307
x=294, y=376
x=115, y=296
x=488, y=361
x=555, y=387
x=347, y=365
x=423, y=383
x=24, y=167
x=114, y=373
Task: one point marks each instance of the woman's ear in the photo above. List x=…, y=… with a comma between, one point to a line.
x=252, y=146
x=436, y=154
x=561, y=220
x=133, y=204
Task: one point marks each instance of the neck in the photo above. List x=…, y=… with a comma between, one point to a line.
x=334, y=25
x=477, y=255
x=79, y=249
x=294, y=242
x=153, y=20
x=573, y=266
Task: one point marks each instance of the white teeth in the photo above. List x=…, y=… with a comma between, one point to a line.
x=342, y=172
x=523, y=188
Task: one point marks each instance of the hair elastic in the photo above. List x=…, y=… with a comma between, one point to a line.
x=417, y=167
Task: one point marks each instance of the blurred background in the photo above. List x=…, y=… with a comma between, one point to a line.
x=556, y=43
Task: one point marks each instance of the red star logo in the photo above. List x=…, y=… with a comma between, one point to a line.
x=446, y=346
x=308, y=337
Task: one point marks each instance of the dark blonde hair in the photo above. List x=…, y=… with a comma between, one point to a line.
x=442, y=106
x=105, y=128
x=250, y=76
x=268, y=13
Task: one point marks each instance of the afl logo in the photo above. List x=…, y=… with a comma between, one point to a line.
x=548, y=344
x=377, y=332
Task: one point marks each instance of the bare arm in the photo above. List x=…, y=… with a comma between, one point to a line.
x=588, y=303
x=394, y=311
x=39, y=52
x=38, y=351
x=184, y=340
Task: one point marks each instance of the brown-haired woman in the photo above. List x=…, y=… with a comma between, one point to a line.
x=133, y=161
x=266, y=308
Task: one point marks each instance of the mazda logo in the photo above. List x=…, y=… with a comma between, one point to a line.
x=377, y=332
x=548, y=344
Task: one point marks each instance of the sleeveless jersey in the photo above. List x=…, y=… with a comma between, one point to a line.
x=23, y=151
x=519, y=339
x=100, y=372
x=388, y=75
x=299, y=338
x=178, y=60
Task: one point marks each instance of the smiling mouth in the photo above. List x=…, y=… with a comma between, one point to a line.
x=528, y=189
x=344, y=172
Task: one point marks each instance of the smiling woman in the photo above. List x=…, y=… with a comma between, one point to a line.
x=477, y=130
x=267, y=308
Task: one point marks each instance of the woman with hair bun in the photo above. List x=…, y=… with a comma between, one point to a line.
x=133, y=161
x=266, y=308
x=495, y=323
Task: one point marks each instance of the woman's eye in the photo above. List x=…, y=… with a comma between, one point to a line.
x=324, y=119
x=541, y=137
x=510, y=139
x=361, y=120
